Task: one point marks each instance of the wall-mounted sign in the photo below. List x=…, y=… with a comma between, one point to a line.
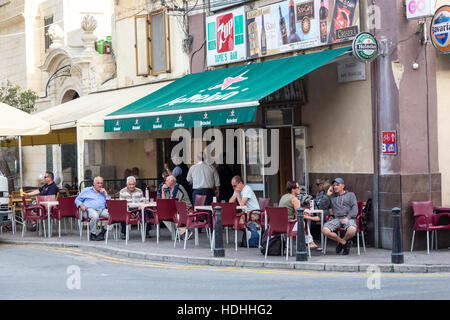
x=440, y=29
x=351, y=70
x=389, y=142
x=365, y=47
x=226, y=39
x=416, y=9
x=223, y=4
x=300, y=24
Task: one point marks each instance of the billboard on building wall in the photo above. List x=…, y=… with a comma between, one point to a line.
x=226, y=38
x=300, y=24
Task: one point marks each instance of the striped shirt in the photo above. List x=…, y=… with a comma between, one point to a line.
x=132, y=197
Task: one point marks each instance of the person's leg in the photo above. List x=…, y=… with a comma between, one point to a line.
x=93, y=215
x=329, y=228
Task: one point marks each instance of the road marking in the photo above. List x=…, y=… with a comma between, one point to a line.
x=127, y=261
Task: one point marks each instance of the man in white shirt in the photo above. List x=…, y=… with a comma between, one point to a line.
x=204, y=180
x=244, y=195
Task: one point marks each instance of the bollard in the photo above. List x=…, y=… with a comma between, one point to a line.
x=219, y=251
x=397, y=248
x=300, y=253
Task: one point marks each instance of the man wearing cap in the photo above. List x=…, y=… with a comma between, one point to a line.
x=345, y=210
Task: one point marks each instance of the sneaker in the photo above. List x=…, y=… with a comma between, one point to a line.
x=339, y=248
x=33, y=228
x=94, y=237
x=123, y=236
x=347, y=247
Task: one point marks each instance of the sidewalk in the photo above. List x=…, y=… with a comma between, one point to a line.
x=418, y=261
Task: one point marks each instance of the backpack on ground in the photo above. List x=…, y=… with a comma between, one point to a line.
x=253, y=234
x=274, y=244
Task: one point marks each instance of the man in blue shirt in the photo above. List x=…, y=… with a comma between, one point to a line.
x=93, y=201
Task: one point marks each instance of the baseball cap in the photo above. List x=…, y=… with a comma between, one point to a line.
x=339, y=180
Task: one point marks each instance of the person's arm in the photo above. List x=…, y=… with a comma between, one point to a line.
x=325, y=203
x=32, y=193
x=79, y=201
x=233, y=198
x=354, y=206
x=163, y=191
x=189, y=176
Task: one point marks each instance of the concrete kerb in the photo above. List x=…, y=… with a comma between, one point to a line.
x=305, y=266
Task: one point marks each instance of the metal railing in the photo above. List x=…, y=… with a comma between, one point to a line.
x=113, y=186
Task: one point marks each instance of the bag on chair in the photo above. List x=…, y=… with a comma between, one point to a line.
x=274, y=244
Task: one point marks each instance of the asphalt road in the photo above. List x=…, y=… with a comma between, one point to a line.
x=44, y=272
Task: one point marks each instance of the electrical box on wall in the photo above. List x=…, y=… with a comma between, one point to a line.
x=416, y=9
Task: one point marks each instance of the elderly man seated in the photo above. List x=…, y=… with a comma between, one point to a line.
x=92, y=201
x=170, y=190
x=133, y=195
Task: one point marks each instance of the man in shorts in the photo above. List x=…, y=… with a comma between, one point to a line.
x=345, y=210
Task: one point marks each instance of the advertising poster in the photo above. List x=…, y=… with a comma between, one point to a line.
x=300, y=24
x=226, y=39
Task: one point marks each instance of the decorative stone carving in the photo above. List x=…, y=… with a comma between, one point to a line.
x=56, y=34
x=88, y=25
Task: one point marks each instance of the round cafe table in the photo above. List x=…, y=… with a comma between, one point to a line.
x=142, y=206
x=49, y=205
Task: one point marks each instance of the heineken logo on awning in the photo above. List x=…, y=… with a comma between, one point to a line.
x=201, y=97
x=365, y=47
x=117, y=126
x=180, y=123
x=157, y=124
x=232, y=118
x=136, y=125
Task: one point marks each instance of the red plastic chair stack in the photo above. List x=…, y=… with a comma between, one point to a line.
x=165, y=210
x=40, y=215
x=426, y=220
x=190, y=220
x=278, y=222
x=66, y=208
x=118, y=212
x=230, y=219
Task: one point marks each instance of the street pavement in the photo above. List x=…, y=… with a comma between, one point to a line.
x=380, y=259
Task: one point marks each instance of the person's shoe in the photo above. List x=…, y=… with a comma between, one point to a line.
x=123, y=236
x=33, y=228
x=347, y=247
x=94, y=237
x=102, y=233
x=339, y=248
x=187, y=235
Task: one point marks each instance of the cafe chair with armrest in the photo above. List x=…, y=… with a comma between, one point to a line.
x=231, y=219
x=165, y=211
x=189, y=220
x=291, y=235
x=66, y=208
x=359, y=228
x=277, y=223
x=118, y=212
x=83, y=217
x=426, y=220
x=40, y=215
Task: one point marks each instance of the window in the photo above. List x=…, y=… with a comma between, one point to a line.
x=47, y=22
x=152, y=43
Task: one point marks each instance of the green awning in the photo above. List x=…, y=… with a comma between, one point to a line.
x=214, y=98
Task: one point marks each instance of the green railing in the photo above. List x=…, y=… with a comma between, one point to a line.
x=113, y=186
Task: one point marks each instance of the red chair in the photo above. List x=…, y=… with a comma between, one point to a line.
x=66, y=208
x=83, y=216
x=152, y=195
x=426, y=220
x=278, y=222
x=230, y=219
x=118, y=212
x=359, y=228
x=29, y=215
x=291, y=235
x=263, y=203
x=189, y=220
x=165, y=210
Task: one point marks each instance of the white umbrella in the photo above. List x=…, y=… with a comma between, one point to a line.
x=15, y=122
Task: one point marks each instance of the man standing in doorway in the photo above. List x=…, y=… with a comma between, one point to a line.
x=345, y=210
x=204, y=180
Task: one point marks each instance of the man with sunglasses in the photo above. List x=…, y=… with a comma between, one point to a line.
x=345, y=210
x=49, y=188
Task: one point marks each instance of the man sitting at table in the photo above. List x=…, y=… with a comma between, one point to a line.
x=170, y=190
x=92, y=200
x=133, y=195
x=245, y=196
x=48, y=189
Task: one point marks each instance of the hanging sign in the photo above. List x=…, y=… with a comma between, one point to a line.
x=389, y=142
x=226, y=37
x=365, y=47
x=440, y=29
x=416, y=9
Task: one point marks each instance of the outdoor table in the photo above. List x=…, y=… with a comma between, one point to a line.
x=49, y=205
x=142, y=206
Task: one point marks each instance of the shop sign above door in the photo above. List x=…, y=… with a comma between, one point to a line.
x=416, y=9
x=440, y=29
x=226, y=37
x=365, y=47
